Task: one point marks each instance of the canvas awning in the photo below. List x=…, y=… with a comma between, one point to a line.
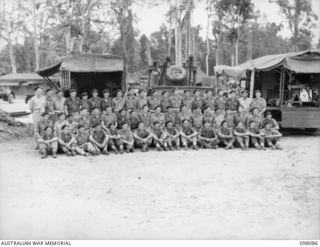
x=86, y=63
x=298, y=62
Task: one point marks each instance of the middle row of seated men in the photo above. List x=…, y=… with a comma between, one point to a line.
x=94, y=133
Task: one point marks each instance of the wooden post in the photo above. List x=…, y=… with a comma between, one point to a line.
x=252, y=82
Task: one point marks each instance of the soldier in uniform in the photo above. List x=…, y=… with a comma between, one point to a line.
x=208, y=115
x=106, y=100
x=58, y=104
x=43, y=123
x=127, y=137
x=115, y=141
x=226, y=135
x=232, y=103
x=84, y=118
x=209, y=100
x=108, y=118
x=157, y=116
x=134, y=119
x=59, y=123
x=95, y=100
x=241, y=116
x=72, y=104
x=220, y=102
x=184, y=114
x=50, y=104
x=188, y=135
x=176, y=100
x=173, y=135
x=187, y=100
x=153, y=101
x=242, y=135
x=118, y=102
x=84, y=102
x=67, y=141
x=142, y=99
x=171, y=116
x=142, y=137
x=122, y=117
x=37, y=106
x=73, y=124
x=131, y=102
x=197, y=100
x=99, y=139
x=271, y=136
x=256, y=135
x=159, y=137
x=245, y=101
x=83, y=145
x=95, y=117
x=48, y=143
x=255, y=116
x=259, y=103
x=230, y=119
x=197, y=119
x=165, y=101
x=270, y=120
x=145, y=116
x=207, y=136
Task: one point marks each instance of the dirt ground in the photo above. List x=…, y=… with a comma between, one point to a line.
x=204, y=194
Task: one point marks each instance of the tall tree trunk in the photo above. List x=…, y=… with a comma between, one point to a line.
x=12, y=57
x=208, y=46
x=35, y=36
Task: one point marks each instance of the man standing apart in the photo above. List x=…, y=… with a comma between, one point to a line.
x=37, y=105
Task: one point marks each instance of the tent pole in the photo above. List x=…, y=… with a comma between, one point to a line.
x=252, y=82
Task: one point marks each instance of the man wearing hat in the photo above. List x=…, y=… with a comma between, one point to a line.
x=99, y=139
x=58, y=103
x=188, y=135
x=95, y=100
x=245, y=101
x=197, y=100
x=107, y=100
x=84, y=102
x=37, y=105
x=176, y=100
x=59, y=123
x=72, y=104
x=153, y=101
x=173, y=135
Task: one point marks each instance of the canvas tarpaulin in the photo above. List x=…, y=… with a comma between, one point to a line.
x=298, y=62
x=86, y=63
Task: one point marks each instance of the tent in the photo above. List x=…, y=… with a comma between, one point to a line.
x=89, y=71
x=298, y=62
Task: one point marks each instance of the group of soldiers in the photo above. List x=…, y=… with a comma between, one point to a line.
x=164, y=120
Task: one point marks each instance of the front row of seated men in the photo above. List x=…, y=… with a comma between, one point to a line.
x=99, y=139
